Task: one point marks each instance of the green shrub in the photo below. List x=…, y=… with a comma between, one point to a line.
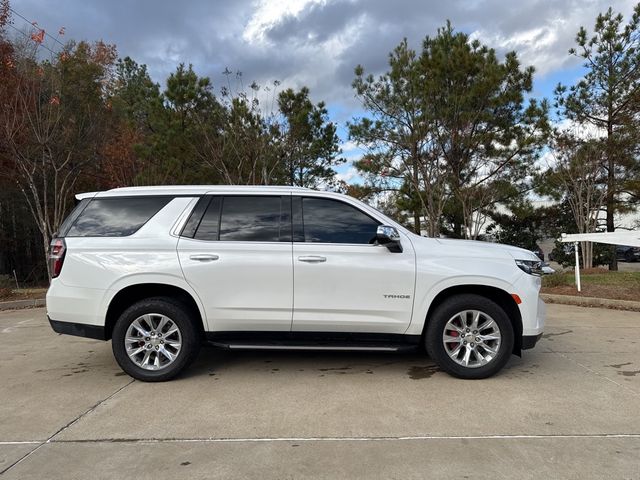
x=557, y=280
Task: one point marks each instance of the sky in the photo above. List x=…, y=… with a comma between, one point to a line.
x=317, y=43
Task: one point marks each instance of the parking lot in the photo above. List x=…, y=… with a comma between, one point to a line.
x=569, y=408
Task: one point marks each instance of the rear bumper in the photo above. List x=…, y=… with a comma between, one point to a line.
x=529, y=341
x=75, y=304
x=78, y=329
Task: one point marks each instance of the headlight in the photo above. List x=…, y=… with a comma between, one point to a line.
x=532, y=267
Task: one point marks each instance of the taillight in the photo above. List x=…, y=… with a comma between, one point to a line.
x=56, y=256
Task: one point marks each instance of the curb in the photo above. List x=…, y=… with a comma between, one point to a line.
x=591, y=302
x=18, y=304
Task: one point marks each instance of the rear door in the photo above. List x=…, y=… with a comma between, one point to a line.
x=343, y=281
x=235, y=251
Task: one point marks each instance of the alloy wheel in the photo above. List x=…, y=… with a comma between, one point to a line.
x=472, y=338
x=153, y=341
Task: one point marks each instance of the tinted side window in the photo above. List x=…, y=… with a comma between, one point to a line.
x=332, y=221
x=191, y=225
x=116, y=217
x=210, y=223
x=75, y=213
x=250, y=219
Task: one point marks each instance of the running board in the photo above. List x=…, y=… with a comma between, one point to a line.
x=336, y=341
x=372, y=348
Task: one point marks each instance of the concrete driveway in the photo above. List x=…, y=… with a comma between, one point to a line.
x=568, y=409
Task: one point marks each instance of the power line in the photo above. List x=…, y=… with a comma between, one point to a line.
x=34, y=23
x=27, y=35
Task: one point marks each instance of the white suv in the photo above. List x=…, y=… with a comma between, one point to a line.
x=159, y=270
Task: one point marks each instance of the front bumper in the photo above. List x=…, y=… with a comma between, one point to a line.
x=78, y=329
x=532, y=308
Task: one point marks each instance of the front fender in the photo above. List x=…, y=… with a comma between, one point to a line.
x=431, y=281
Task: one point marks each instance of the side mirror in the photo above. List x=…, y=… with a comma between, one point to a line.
x=389, y=237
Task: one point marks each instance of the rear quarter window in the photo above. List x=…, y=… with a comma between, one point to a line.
x=72, y=217
x=115, y=217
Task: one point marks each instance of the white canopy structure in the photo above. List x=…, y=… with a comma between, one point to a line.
x=625, y=237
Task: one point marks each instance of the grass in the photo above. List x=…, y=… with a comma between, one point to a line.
x=596, y=282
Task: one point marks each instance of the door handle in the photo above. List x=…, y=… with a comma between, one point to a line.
x=204, y=257
x=312, y=259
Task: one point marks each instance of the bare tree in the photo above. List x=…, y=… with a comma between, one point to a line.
x=578, y=173
x=51, y=128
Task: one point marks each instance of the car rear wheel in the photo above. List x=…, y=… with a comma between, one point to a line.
x=469, y=336
x=155, y=339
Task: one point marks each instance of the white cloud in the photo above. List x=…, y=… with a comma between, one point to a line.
x=544, y=39
x=351, y=149
x=584, y=131
x=268, y=13
x=348, y=176
x=535, y=46
x=316, y=43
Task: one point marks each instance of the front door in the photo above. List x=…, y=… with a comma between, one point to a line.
x=343, y=282
x=237, y=257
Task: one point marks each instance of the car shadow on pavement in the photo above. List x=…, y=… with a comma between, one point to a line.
x=416, y=365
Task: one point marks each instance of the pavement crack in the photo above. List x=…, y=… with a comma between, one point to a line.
x=64, y=427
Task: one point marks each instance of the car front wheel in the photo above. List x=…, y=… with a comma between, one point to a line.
x=469, y=336
x=155, y=339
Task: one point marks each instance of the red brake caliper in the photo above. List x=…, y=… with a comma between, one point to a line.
x=453, y=333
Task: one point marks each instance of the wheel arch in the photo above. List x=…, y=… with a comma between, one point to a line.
x=131, y=294
x=498, y=295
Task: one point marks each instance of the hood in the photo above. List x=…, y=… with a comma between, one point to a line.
x=486, y=249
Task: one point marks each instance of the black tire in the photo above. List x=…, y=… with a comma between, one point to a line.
x=448, y=309
x=629, y=256
x=181, y=317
